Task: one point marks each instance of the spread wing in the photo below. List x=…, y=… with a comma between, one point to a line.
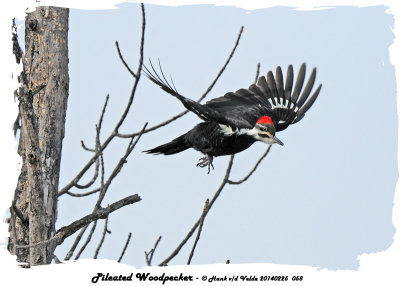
x=270, y=97
x=242, y=109
x=205, y=112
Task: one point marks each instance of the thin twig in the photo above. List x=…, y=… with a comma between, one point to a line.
x=74, y=181
x=101, y=161
x=86, y=148
x=97, y=143
x=198, y=231
x=137, y=77
x=199, y=100
x=123, y=60
x=103, y=235
x=75, y=244
x=98, y=150
x=149, y=255
x=70, y=229
x=125, y=247
x=253, y=170
x=95, y=175
x=101, y=188
x=123, y=160
x=101, y=157
x=82, y=194
x=193, y=229
x=103, y=111
x=88, y=238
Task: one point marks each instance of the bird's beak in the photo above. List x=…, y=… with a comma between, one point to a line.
x=277, y=141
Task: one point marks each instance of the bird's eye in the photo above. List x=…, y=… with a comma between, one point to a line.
x=262, y=128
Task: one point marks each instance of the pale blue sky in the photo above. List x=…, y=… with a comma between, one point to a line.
x=322, y=199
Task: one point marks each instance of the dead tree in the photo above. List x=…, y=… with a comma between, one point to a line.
x=42, y=105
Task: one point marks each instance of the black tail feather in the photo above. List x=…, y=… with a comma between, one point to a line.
x=175, y=146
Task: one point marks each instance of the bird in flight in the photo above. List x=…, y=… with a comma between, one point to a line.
x=233, y=122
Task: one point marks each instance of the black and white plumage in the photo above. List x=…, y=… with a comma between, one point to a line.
x=233, y=122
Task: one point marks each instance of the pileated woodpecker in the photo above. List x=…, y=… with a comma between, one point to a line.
x=233, y=122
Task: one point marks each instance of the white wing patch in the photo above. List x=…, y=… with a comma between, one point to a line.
x=227, y=130
x=287, y=105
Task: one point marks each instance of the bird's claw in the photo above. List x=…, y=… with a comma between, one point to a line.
x=206, y=161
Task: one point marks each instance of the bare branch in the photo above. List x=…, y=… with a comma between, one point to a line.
x=97, y=143
x=125, y=247
x=193, y=229
x=74, y=182
x=137, y=77
x=101, y=213
x=99, y=126
x=103, y=111
x=199, y=100
x=149, y=255
x=101, y=162
x=253, y=170
x=88, y=238
x=105, y=231
x=102, y=190
x=123, y=60
x=123, y=160
x=82, y=194
x=198, y=231
x=86, y=148
x=88, y=184
x=67, y=231
x=75, y=244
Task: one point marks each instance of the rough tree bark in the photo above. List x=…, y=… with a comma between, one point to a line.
x=42, y=104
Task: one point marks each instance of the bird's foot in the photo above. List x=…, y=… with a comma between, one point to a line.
x=206, y=161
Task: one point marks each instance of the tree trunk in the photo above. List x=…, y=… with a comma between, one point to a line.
x=42, y=104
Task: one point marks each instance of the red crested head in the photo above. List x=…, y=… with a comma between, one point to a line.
x=265, y=120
